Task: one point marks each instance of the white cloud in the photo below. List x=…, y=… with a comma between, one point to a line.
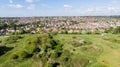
x=10, y=1
x=81, y=11
x=44, y=5
x=31, y=7
x=29, y=1
x=16, y=6
x=101, y=11
x=66, y=6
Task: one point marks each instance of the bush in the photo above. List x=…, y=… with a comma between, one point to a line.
x=30, y=48
x=48, y=65
x=0, y=41
x=65, y=59
x=96, y=31
x=12, y=39
x=35, y=40
x=117, y=30
x=54, y=43
x=58, y=47
x=43, y=58
x=92, y=50
x=77, y=43
x=21, y=31
x=115, y=40
x=74, y=37
x=13, y=56
x=55, y=54
x=44, y=47
x=106, y=38
x=4, y=49
x=22, y=54
x=65, y=56
x=55, y=64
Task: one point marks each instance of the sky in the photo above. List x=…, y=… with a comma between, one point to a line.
x=28, y=8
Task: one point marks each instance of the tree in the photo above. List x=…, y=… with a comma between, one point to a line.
x=117, y=30
x=3, y=25
x=13, y=25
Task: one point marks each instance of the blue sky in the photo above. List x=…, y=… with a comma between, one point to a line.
x=26, y=8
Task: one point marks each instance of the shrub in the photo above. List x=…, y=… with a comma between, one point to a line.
x=58, y=47
x=48, y=65
x=117, y=30
x=55, y=64
x=54, y=43
x=30, y=48
x=35, y=40
x=44, y=47
x=75, y=43
x=0, y=41
x=80, y=42
x=43, y=58
x=74, y=37
x=52, y=64
x=88, y=42
x=89, y=32
x=96, y=31
x=4, y=49
x=48, y=40
x=12, y=39
x=13, y=56
x=65, y=56
x=92, y=50
x=106, y=38
x=115, y=40
x=65, y=59
x=22, y=54
x=55, y=54
x=21, y=31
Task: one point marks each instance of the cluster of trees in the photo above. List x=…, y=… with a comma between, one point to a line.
x=113, y=30
x=12, y=25
x=7, y=25
x=3, y=25
x=4, y=49
x=95, y=31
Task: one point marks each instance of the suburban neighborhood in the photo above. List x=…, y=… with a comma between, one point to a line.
x=59, y=24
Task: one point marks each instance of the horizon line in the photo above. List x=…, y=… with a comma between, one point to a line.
x=66, y=16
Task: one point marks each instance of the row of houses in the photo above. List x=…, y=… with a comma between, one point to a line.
x=62, y=24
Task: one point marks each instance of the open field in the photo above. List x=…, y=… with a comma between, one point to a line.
x=109, y=50
x=87, y=50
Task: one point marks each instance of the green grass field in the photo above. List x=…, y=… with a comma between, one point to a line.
x=109, y=50
x=101, y=51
